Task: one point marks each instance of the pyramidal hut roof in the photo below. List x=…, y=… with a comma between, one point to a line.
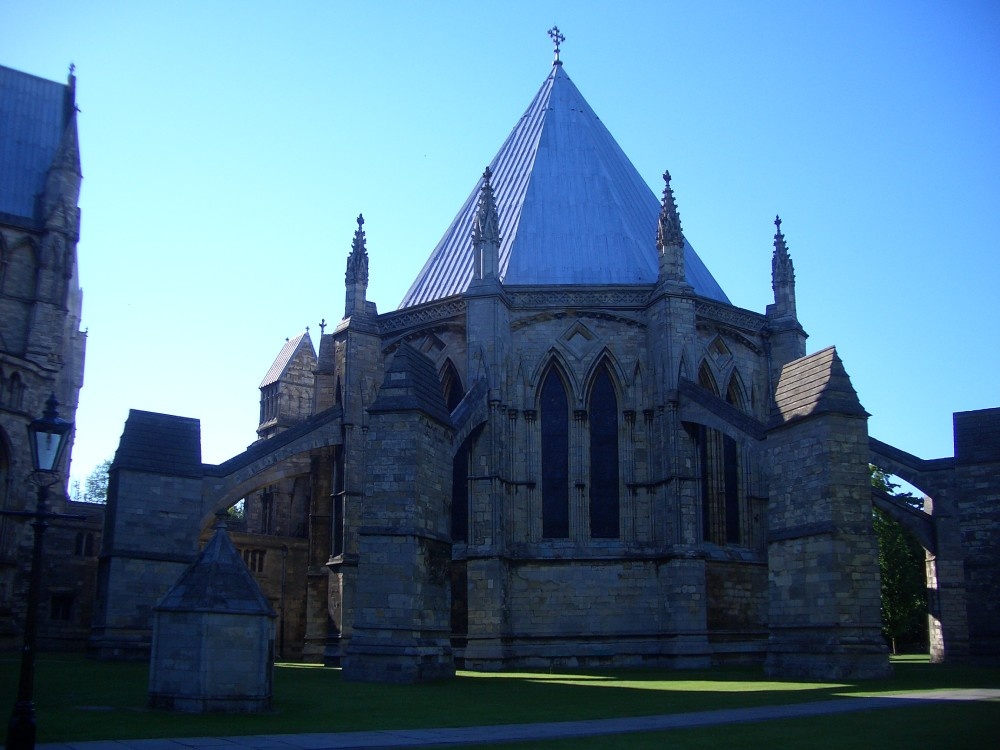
x=572, y=207
x=218, y=581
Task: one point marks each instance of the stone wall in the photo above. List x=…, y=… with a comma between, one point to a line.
x=977, y=478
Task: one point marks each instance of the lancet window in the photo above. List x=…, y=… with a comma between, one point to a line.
x=554, y=422
x=604, y=486
x=718, y=456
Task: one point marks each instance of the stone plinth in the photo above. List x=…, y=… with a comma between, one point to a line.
x=213, y=637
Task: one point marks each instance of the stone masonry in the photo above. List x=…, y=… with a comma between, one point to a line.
x=401, y=618
x=822, y=554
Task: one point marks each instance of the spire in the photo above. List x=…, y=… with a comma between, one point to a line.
x=486, y=233
x=557, y=38
x=782, y=275
x=62, y=182
x=669, y=239
x=357, y=272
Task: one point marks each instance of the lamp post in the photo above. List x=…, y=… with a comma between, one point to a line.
x=48, y=437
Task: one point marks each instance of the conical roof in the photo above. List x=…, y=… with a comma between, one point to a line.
x=573, y=209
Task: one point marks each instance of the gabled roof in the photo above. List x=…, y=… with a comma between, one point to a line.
x=160, y=444
x=815, y=384
x=573, y=209
x=34, y=115
x=285, y=357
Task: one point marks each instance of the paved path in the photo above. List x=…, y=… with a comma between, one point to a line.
x=403, y=738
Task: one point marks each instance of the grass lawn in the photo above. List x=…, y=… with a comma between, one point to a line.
x=78, y=699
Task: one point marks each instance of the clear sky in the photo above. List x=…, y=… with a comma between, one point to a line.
x=228, y=147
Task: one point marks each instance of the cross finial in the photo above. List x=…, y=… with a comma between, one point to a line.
x=777, y=223
x=72, y=68
x=557, y=38
x=322, y=327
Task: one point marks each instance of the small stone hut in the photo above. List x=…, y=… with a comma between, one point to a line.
x=213, y=637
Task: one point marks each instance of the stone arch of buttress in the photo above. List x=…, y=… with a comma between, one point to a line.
x=290, y=456
x=554, y=359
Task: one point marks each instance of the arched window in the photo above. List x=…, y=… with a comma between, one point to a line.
x=555, y=457
x=604, y=494
x=706, y=380
x=734, y=393
x=719, y=462
x=15, y=392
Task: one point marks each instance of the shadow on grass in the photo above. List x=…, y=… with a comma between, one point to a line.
x=79, y=699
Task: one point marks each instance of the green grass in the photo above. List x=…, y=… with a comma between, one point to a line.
x=960, y=726
x=77, y=699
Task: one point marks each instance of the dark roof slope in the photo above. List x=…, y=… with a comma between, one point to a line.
x=34, y=114
x=218, y=581
x=411, y=384
x=161, y=444
x=815, y=384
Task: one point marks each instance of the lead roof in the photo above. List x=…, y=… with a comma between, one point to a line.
x=34, y=113
x=573, y=209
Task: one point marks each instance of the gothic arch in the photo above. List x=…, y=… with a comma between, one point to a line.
x=13, y=395
x=554, y=359
x=451, y=384
x=554, y=409
x=604, y=484
x=735, y=392
x=605, y=359
x=707, y=378
x=638, y=387
x=21, y=270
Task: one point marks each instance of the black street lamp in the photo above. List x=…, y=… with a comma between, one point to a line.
x=48, y=437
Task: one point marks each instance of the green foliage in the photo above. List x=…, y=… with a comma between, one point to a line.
x=904, y=584
x=903, y=573
x=95, y=486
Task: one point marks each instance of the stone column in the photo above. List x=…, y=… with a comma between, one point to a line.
x=402, y=614
x=824, y=613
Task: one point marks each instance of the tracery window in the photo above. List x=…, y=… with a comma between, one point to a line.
x=604, y=488
x=268, y=403
x=554, y=419
x=719, y=464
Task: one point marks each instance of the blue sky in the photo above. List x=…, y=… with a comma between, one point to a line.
x=228, y=147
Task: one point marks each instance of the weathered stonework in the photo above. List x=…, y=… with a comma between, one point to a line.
x=566, y=450
x=824, y=613
x=401, y=630
x=213, y=637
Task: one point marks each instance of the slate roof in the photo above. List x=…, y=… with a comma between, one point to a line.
x=219, y=582
x=573, y=209
x=160, y=444
x=285, y=356
x=411, y=384
x=815, y=384
x=34, y=113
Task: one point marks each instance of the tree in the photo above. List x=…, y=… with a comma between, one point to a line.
x=902, y=571
x=95, y=486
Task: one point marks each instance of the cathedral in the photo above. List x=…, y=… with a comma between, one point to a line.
x=565, y=448
x=41, y=345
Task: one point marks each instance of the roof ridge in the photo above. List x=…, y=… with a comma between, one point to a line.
x=573, y=209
